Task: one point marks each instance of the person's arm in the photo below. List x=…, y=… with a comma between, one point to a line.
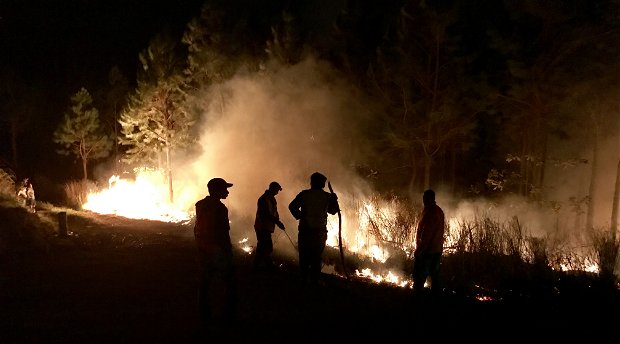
x=295, y=207
x=420, y=228
x=277, y=217
x=333, y=207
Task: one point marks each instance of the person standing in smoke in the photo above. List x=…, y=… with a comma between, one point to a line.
x=211, y=232
x=429, y=244
x=311, y=207
x=267, y=218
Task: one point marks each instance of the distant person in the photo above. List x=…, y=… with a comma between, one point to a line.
x=31, y=202
x=211, y=232
x=429, y=245
x=25, y=195
x=311, y=207
x=267, y=218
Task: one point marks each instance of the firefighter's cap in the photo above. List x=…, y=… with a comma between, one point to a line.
x=218, y=183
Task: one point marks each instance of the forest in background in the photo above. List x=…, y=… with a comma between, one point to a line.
x=480, y=99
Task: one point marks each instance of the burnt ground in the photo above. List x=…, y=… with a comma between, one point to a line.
x=114, y=280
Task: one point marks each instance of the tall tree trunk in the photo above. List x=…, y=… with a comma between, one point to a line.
x=541, y=166
x=14, y=129
x=427, y=171
x=452, y=170
x=414, y=176
x=85, y=168
x=615, y=205
x=116, y=165
x=523, y=168
x=169, y=174
x=593, y=183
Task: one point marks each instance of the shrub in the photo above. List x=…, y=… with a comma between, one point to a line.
x=606, y=251
x=76, y=192
x=7, y=182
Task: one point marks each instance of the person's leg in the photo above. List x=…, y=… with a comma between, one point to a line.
x=320, y=247
x=304, y=257
x=316, y=245
x=230, y=279
x=204, y=304
x=261, y=248
x=434, y=269
x=420, y=272
x=268, y=251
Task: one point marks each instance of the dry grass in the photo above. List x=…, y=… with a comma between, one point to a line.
x=494, y=255
x=76, y=192
x=7, y=182
x=483, y=253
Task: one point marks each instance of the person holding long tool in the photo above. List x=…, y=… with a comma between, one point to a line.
x=267, y=218
x=311, y=207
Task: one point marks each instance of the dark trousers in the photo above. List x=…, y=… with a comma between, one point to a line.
x=264, y=249
x=217, y=296
x=311, y=246
x=426, y=265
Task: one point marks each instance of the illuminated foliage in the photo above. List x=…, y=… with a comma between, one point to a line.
x=80, y=133
x=156, y=120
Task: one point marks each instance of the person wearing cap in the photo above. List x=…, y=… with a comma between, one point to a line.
x=311, y=207
x=267, y=218
x=211, y=232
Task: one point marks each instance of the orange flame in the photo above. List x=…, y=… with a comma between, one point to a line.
x=139, y=199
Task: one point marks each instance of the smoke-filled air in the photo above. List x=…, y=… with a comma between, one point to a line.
x=285, y=122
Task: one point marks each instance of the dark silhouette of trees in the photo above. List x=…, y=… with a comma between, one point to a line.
x=420, y=78
x=17, y=106
x=543, y=53
x=115, y=99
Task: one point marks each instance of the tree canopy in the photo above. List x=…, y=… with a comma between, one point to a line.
x=80, y=133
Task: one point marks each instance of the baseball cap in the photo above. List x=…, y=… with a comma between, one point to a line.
x=218, y=183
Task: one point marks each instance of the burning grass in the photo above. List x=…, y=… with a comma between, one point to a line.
x=483, y=255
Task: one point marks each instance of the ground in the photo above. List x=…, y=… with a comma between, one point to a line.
x=114, y=280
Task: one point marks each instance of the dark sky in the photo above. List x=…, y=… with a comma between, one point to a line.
x=70, y=41
x=58, y=46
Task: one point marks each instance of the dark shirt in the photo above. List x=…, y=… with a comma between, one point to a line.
x=266, y=213
x=311, y=207
x=212, y=227
x=430, y=230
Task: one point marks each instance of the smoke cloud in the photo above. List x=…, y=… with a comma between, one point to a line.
x=281, y=125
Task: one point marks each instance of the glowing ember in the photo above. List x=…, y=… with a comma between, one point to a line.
x=483, y=298
x=374, y=228
x=244, y=245
x=390, y=278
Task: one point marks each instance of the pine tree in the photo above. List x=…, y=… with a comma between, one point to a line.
x=80, y=132
x=156, y=120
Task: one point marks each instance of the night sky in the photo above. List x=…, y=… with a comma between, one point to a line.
x=59, y=46
x=60, y=41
